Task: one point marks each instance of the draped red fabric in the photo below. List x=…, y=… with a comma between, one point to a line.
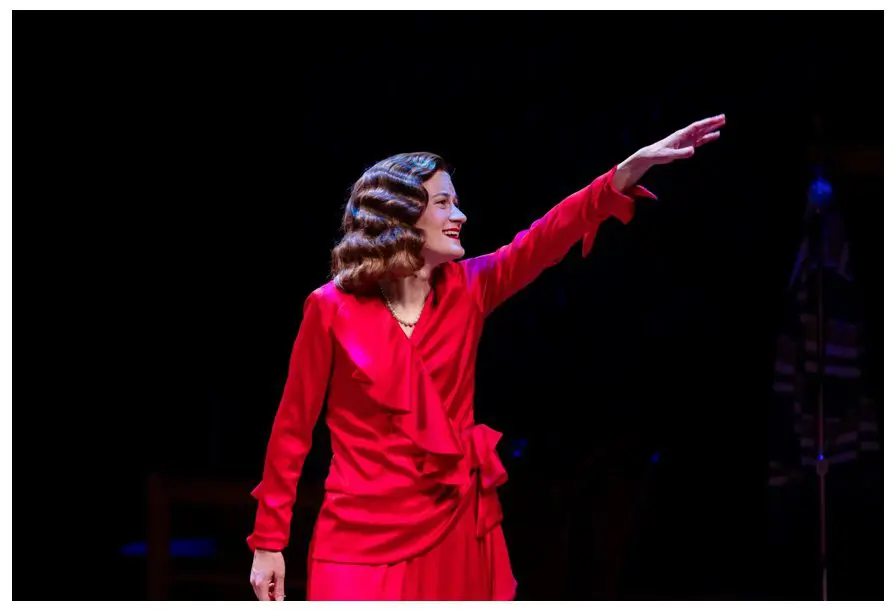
x=412, y=475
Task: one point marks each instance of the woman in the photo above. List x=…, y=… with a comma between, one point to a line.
x=411, y=509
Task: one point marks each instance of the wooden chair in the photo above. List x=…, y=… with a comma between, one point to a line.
x=223, y=497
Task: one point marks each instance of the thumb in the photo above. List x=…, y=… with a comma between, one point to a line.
x=280, y=592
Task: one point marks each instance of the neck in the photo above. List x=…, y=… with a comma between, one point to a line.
x=410, y=292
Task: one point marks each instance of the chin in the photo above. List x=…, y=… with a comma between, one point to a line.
x=451, y=252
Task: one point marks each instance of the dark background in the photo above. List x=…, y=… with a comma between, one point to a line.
x=180, y=178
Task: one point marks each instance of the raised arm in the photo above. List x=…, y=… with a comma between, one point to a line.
x=290, y=440
x=496, y=276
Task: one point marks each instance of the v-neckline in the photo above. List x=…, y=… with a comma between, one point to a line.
x=426, y=305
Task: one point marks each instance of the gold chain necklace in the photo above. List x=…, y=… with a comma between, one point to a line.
x=394, y=312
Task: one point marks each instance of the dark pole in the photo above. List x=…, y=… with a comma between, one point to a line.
x=818, y=198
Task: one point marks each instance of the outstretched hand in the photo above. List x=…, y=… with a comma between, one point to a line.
x=682, y=143
x=679, y=145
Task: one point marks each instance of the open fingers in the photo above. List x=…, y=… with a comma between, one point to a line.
x=696, y=130
x=710, y=137
x=707, y=125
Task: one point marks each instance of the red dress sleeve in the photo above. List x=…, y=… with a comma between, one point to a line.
x=496, y=276
x=290, y=439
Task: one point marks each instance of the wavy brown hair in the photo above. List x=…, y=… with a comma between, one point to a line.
x=380, y=238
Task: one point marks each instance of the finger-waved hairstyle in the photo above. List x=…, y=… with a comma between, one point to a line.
x=380, y=238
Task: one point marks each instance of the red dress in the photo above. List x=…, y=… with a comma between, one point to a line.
x=411, y=510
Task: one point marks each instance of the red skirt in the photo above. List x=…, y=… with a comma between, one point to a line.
x=461, y=566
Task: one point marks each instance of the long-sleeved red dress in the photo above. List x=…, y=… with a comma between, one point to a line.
x=411, y=510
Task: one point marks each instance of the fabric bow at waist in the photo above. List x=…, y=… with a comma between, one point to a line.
x=478, y=465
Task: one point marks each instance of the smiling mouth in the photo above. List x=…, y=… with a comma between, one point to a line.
x=451, y=233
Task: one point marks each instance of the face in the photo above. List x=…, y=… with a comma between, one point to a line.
x=441, y=221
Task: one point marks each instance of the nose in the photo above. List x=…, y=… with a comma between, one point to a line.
x=456, y=215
